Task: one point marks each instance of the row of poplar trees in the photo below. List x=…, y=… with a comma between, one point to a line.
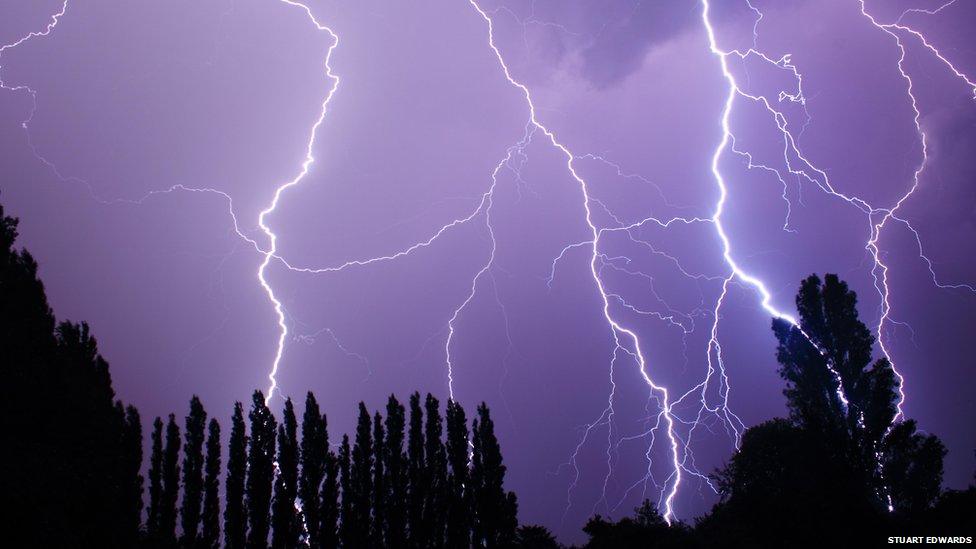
x=398, y=483
x=72, y=469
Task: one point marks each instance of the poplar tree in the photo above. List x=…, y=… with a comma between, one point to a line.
x=416, y=472
x=171, y=483
x=329, y=501
x=284, y=520
x=347, y=519
x=495, y=512
x=131, y=501
x=155, y=480
x=192, y=472
x=235, y=512
x=379, y=497
x=435, y=504
x=210, y=534
x=395, y=462
x=314, y=449
x=361, y=480
x=458, y=482
x=260, y=472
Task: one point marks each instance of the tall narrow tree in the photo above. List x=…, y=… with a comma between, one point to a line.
x=131, y=504
x=379, y=495
x=347, y=518
x=458, y=482
x=361, y=480
x=210, y=534
x=193, y=434
x=155, y=480
x=314, y=448
x=284, y=519
x=260, y=472
x=495, y=511
x=329, y=502
x=171, y=483
x=435, y=504
x=235, y=512
x=395, y=462
x=416, y=473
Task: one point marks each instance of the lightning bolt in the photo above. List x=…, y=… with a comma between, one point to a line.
x=618, y=330
x=625, y=340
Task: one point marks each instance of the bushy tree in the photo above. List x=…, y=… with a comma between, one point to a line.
x=838, y=459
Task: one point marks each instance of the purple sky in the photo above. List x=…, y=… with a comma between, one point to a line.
x=131, y=104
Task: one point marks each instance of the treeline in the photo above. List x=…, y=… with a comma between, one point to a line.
x=73, y=458
x=840, y=469
x=402, y=481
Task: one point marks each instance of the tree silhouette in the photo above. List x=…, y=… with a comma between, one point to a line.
x=395, y=461
x=379, y=494
x=347, y=518
x=458, y=481
x=835, y=460
x=314, y=448
x=284, y=518
x=535, y=537
x=131, y=465
x=210, y=535
x=235, y=511
x=260, y=472
x=417, y=486
x=192, y=472
x=435, y=474
x=171, y=483
x=155, y=479
x=495, y=521
x=329, y=501
x=360, y=482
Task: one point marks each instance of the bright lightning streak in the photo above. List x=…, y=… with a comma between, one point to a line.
x=306, y=164
x=25, y=124
x=617, y=329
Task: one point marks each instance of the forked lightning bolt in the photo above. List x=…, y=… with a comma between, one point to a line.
x=618, y=330
x=626, y=342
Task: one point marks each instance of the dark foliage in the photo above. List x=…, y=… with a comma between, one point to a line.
x=260, y=472
x=826, y=474
x=210, y=534
x=416, y=487
x=535, y=537
x=235, y=511
x=435, y=475
x=191, y=508
x=73, y=473
x=395, y=460
x=284, y=518
x=314, y=447
x=171, y=484
x=495, y=512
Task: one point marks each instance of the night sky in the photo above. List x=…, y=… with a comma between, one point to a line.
x=442, y=237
